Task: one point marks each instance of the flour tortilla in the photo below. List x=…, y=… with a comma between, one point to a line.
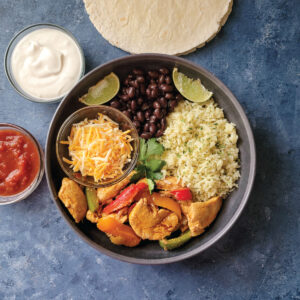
x=173, y=27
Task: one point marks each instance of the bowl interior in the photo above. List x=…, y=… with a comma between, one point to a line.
x=150, y=252
x=91, y=112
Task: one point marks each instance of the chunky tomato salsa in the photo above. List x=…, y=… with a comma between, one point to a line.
x=19, y=162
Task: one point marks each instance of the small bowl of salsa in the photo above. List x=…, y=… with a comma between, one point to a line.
x=21, y=163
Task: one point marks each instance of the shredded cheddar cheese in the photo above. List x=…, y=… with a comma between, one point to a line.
x=98, y=148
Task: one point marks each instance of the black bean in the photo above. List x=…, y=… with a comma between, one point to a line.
x=146, y=127
x=179, y=97
x=152, y=81
x=127, y=113
x=137, y=124
x=124, y=90
x=135, y=118
x=115, y=104
x=148, y=92
x=158, y=125
x=133, y=105
x=168, y=80
x=134, y=83
x=159, y=133
x=128, y=105
x=164, y=71
x=126, y=81
x=152, y=128
x=161, y=79
x=137, y=92
x=145, y=106
x=164, y=112
x=137, y=71
x=156, y=104
x=125, y=98
x=140, y=115
x=143, y=89
x=153, y=119
x=163, y=123
x=131, y=92
x=172, y=104
x=152, y=86
x=157, y=112
x=140, y=101
x=129, y=76
x=153, y=74
x=146, y=135
x=154, y=93
x=169, y=96
x=166, y=88
x=148, y=114
x=140, y=79
x=163, y=102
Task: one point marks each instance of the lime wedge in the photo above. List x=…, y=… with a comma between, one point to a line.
x=103, y=91
x=189, y=88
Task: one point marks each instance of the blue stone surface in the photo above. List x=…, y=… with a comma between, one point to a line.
x=256, y=55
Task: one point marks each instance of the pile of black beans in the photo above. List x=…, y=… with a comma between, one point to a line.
x=146, y=98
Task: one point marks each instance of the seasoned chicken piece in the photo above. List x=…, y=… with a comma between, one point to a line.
x=93, y=217
x=184, y=224
x=120, y=215
x=201, y=214
x=73, y=198
x=169, y=183
x=109, y=192
x=152, y=223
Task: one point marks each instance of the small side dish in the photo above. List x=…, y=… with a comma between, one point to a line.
x=21, y=164
x=98, y=148
x=181, y=178
x=43, y=62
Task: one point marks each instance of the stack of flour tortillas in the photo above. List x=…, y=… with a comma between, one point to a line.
x=158, y=26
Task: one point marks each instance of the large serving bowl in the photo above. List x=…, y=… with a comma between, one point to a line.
x=150, y=252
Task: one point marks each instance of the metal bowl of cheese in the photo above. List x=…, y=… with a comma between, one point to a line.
x=149, y=252
x=92, y=113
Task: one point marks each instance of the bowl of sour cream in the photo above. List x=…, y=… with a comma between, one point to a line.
x=43, y=62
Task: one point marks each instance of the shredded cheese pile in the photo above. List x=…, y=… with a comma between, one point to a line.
x=98, y=148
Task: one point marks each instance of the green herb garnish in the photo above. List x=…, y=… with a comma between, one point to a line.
x=149, y=163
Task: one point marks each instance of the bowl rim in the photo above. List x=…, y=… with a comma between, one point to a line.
x=238, y=212
x=7, y=62
x=36, y=181
x=131, y=165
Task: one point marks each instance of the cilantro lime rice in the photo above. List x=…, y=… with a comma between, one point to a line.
x=201, y=149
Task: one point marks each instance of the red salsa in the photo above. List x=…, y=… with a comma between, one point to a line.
x=19, y=162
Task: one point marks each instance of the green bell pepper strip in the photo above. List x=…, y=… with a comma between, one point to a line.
x=92, y=199
x=175, y=242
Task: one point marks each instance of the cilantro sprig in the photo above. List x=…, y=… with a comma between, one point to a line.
x=149, y=163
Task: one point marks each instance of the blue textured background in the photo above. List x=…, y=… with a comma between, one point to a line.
x=256, y=55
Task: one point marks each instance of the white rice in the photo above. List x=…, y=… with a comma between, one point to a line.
x=201, y=149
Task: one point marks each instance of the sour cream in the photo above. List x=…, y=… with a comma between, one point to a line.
x=46, y=63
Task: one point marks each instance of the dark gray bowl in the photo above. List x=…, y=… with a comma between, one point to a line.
x=150, y=252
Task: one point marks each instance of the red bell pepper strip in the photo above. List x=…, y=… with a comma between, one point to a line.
x=125, y=198
x=131, y=207
x=184, y=194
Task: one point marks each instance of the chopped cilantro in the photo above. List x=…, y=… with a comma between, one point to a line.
x=149, y=165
